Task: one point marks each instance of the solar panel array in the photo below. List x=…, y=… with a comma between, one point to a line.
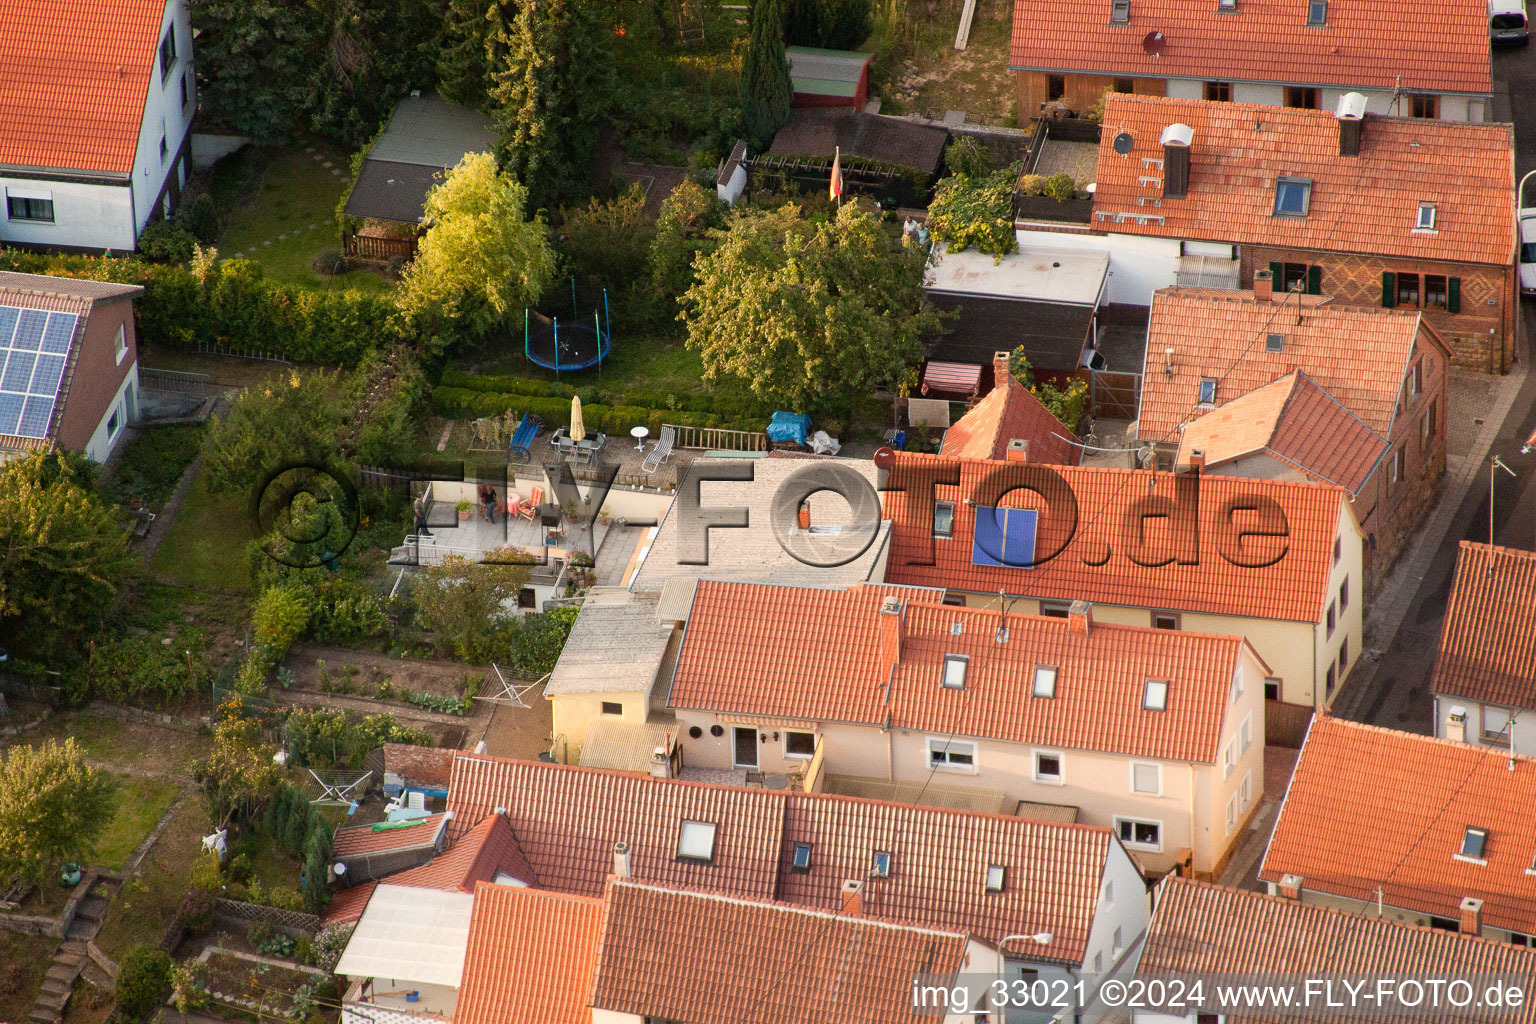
x=34, y=345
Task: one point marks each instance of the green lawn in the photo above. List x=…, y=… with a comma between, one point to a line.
x=140, y=803
x=206, y=543
x=23, y=961
x=146, y=904
x=289, y=193
x=125, y=744
x=648, y=362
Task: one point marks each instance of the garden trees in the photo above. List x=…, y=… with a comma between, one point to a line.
x=470, y=28
x=683, y=230
x=238, y=776
x=809, y=314
x=290, y=420
x=53, y=806
x=766, y=91
x=830, y=24
x=609, y=240
x=463, y=602
x=62, y=556
x=482, y=257
x=552, y=89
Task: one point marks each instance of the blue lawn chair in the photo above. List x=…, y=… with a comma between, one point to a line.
x=527, y=429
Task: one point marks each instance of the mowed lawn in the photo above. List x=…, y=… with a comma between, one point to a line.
x=140, y=803
x=290, y=216
x=206, y=543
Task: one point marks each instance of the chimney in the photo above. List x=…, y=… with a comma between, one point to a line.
x=1176, y=139
x=621, y=860
x=1290, y=887
x=1080, y=617
x=853, y=898
x=804, y=515
x=1456, y=724
x=1350, y=113
x=1471, y=916
x=1001, y=374
x=1263, y=286
x=890, y=633
x=1018, y=450
x=1197, y=460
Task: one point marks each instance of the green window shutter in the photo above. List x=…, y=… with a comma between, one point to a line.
x=1453, y=295
x=1276, y=273
x=1314, y=280
x=1388, y=289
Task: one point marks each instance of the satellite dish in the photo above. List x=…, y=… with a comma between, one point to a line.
x=339, y=868
x=1123, y=143
x=1154, y=43
x=884, y=457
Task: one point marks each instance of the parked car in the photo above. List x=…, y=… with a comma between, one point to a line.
x=1506, y=22
x=1528, y=251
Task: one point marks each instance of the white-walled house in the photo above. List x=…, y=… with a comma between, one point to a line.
x=105, y=145
x=1484, y=680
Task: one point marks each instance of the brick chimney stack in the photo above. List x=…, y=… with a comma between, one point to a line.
x=1080, y=618
x=1017, y=451
x=1197, y=460
x=890, y=633
x=1290, y=886
x=1263, y=286
x=1001, y=375
x=1471, y=916
x=803, y=516
x=621, y=860
x=853, y=898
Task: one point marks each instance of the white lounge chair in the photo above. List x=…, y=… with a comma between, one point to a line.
x=661, y=452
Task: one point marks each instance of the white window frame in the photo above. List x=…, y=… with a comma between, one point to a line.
x=1466, y=857
x=1164, y=686
x=1207, y=383
x=997, y=878
x=1133, y=822
x=1109, y=892
x=1498, y=737
x=1247, y=789
x=1237, y=685
x=1245, y=734
x=951, y=506
x=1036, y=680
x=1060, y=778
x=963, y=662
x=944, y=749
x=1117, y=942
x=115, y=422
x=1422, y=223
x=1231, y=814
x=1146, y=764
x=694, y=836
x=120, y=343
x=798, y=732
x=1229, y=759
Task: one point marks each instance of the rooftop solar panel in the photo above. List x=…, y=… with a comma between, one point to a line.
x=34, y=346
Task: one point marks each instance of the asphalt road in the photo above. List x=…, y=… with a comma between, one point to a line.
x=1398, y=696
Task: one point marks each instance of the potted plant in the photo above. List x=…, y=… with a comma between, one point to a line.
x=604, y=515
x=465, y=507
x=572, y=509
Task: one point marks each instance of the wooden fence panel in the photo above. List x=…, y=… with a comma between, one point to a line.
x=382, y=250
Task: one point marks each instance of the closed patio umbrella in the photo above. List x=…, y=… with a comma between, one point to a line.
x=578, y=429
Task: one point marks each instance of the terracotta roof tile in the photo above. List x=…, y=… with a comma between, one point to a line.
x=356, y=840
x=477, y=856
x=347, y=905
x=1370, y=807
x=817, y=654
x=567, y=819
x=1488, y=641
x=1009, y=411
x=1441, y=47
x=1089, y=528
x=530, y=957
x=1295, y=421
x=1198, y=927
x=72, y=95
x=1367, y=204
x=713, y=959
x=1358, y=355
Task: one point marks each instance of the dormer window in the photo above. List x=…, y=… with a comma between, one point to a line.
x=697, y=841
x=1120, y=12
x=1293, y=197
x=1154, y=697
x=1045, y=681
x=954, y=670
x=1317, y=13
x=1474, y=844
x=997, y=878
x=1426, y=218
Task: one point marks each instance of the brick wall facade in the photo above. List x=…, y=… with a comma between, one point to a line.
x=1482, y=334
x=97, y=372
x=1081, y=94
x=424, y=766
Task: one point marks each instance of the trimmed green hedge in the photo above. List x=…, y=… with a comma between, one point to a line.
x=728, y=407
x=462, y=403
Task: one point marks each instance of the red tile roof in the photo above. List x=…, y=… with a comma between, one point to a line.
x=713, y=959
x=347, y=905
x=1359, y=355
x=357, y=840
x=1488, y=641
x=1373, y=808
x=1088, y=525
x=1294, y=421
x=530, y=957
x=761, y=649
x=1200, y=928
x=72, y=95
x=567, y=819
x=477, y=856
x=1442, y=48
x=1366, y=204
x=1009, y=411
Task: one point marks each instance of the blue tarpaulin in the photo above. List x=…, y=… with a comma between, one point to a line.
x=789, y=426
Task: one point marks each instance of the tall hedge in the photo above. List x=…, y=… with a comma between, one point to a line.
x=462, y=403
x=235, y=307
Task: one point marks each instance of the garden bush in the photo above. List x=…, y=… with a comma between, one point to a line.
x=556, y=412
x=329, y=736
x=165, y=241
x=143, y=980
x=969, y=157
x=344, y=611
x=201, y=217
x=977, y=212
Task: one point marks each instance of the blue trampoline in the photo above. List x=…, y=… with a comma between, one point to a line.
x=577, y=340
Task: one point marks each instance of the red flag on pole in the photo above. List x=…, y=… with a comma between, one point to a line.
x=835, y=190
